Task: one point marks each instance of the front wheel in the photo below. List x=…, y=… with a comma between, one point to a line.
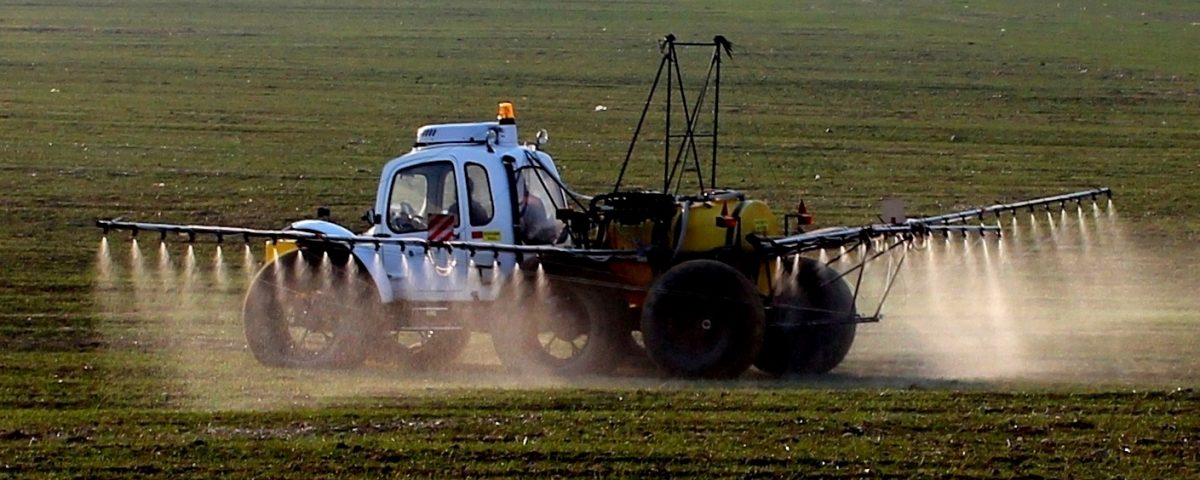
x=304, y=310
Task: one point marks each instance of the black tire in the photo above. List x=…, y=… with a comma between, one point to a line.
x=558, y=329
x=703, y=318
x=793, y=345
x=305, y=311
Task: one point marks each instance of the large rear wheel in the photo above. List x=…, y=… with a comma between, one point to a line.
x=306, y=310
x=703, y=318
x=811, y=327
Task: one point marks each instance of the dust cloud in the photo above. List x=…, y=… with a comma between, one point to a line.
x=1063, y=297
x=182, y=303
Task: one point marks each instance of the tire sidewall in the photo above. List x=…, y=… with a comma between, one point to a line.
x=515, y=335
x=695, y=289
x=809, y=349
x=266, y=329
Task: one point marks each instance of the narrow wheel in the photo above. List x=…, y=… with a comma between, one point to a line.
x=556, y=328
x=811, y=327
x=427, y=349
x=703, y=318
x=307, y=311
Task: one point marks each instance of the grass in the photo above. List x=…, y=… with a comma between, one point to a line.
x=689, y=431
x=253, y=113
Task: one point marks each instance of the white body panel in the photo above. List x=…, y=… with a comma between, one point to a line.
x=416, y=274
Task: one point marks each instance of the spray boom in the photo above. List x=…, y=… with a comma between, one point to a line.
x=1003, y=208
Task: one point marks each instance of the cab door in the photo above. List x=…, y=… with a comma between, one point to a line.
x=417, y=195
x=488, y=220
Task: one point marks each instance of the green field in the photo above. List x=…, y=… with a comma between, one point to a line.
x=254, y=112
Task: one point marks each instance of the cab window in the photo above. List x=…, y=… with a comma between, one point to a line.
x=419, y=191
x=479, y=192
x=538, y=198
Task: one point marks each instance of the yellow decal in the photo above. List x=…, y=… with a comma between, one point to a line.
x=492, y=236
x=274, y=250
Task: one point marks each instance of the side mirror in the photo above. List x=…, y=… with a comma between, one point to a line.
x=371, y=217
x=542, y=138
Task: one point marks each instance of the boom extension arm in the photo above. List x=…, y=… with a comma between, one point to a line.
x=841, y=236
x=247, y=234
x=1003, y=208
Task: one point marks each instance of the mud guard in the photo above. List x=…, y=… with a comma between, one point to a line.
x=365, y=254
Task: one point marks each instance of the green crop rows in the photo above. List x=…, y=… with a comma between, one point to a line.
x=254, y=112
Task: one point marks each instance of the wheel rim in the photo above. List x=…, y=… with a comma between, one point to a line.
x=562, y=349
x=311, y=300
x=309, y=321
x=702, y=318
x=696, y=332
x=562, y=330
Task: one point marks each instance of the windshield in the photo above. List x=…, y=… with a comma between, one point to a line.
x=419, y=191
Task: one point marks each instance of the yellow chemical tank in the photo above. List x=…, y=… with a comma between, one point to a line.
x=702, y=232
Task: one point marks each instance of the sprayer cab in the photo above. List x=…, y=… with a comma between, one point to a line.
x=461, y=182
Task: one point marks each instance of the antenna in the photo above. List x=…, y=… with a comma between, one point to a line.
x=687, y=139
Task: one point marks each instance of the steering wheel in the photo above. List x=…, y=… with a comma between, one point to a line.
x=406, y=219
